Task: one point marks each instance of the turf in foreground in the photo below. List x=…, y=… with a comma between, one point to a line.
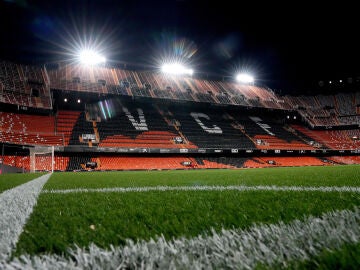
x=259, y=247
x=11, y=180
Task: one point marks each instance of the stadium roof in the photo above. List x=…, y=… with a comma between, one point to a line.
x=285, y=47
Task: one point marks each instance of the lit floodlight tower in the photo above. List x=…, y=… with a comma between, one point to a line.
x=90, y=57
x=245, y=78
x=176, y=69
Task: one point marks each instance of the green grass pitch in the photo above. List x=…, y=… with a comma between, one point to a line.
x=63, y=220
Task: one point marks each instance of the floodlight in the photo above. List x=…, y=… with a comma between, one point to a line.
x=65, y=99
x=176, y=69
x=89, y=57
x=245, y=78
x=78, y=101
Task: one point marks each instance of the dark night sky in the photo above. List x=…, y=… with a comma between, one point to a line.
x=287, y=47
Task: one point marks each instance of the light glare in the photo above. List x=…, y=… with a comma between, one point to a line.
x=89, y=57
x=176, y=69
x=245, y=78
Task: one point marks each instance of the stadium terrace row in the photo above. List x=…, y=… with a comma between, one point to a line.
x=109, y=163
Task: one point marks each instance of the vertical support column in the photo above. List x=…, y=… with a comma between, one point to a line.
x=52, y=159
x=32, y=160
x=2, y=158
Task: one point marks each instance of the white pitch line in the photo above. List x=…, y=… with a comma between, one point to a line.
x=207, y=188
x=275, y=244
x=16, y=205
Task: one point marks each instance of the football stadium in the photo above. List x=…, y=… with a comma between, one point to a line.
x=107, y=166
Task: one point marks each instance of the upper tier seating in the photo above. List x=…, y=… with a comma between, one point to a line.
x=24, y=85
x=157, y=85
x=29, y=86
x=334, y=110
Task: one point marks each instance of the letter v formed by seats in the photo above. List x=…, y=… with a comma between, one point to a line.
x=141, y=123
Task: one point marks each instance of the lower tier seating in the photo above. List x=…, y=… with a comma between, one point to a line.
x=104, y=163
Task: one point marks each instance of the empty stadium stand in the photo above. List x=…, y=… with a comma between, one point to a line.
x=209, y=128
x=131, y=119
x=29, y=129
x=333, y=139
